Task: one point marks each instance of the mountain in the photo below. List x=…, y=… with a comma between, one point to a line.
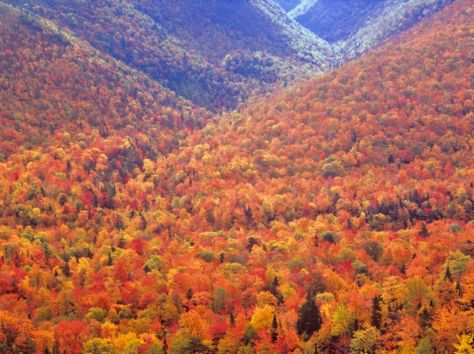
x=355, y=27
x=53, y=84
x=214, y=53
x=218, y=53
x=333, y=216
x=380, y=122
x=336, y=20
x=355, y=188
x=288, y=5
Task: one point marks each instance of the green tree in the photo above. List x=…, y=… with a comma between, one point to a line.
x=98, y=346
x=457, y=263
x=218, y=300
x=343, y=321
x=309, y=317
x=184, y=344
x=250, y=335
x=96, y=313
x=274, y=329
x=423, y=231
x=425, y=346
x=365, y=340
x=376, y=312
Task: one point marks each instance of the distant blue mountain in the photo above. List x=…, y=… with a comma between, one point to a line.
x=217, y=53
x=356, y=26
x=213, y=52
x=288, y=4
x=334, y=20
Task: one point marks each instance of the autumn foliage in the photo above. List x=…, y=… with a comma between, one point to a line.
x=333, y=217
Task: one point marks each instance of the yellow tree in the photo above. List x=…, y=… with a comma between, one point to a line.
x=465, y=344
x=192, y=324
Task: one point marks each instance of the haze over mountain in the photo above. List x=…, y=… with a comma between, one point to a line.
x=288, y=5
x=331, y=216
x=52, y=81
x=353, y=27
x=212, y=52
x=218, y=53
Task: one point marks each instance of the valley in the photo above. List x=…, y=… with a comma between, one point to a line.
x=225, y=177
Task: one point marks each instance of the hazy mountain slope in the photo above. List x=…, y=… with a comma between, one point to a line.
x=288, y=5
x=346, y=201
x=371, y=121
x=306, y=44
x=354, y=27
x=394, y=18
x=302, y=8
x=212, y=52
x=334, y=20
x=52, y=82
x=224, y=27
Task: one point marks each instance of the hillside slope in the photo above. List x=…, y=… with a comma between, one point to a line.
x=335, y=20
x=357, y=26
x=288, y=5
x=357, y=187
x=341, y=208
x=52, y=84
x=214, y=53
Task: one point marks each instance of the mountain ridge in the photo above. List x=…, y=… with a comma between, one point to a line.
x=331, y=216
x=355, y=28
x=253, y=47
x=63, y=92
x=217, y=71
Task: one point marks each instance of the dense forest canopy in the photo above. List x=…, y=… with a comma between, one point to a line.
x=332, y=216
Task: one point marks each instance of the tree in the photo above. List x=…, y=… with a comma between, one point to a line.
x=365, y=340
x=425, y=346
x=309, y=317
x=376, y=312
x=374, y=249
x=273, y=288
x=218, y=300
x=185, y=344
x=457, y=263
x=274, y=329
x=417, y=294
x=228, y=345
x=465, y=344
x=250, y=334
x=262, y=317
x=15, y=334
x=70, y=335
x=423, y=231
x=343, y=321
x=194, y=325
x=97, y=313
x=447, y=275
x=425, y=318
x=127, y=343
x=98, y=346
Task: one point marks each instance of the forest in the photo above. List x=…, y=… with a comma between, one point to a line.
x=335, y=215
x=184, y=52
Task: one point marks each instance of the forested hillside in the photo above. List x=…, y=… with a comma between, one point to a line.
x=335, y=20
x=334, y=216
x=218, y=54
x=214, y=53
x=288, y=4
x=355, y=27
x=52, y=82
